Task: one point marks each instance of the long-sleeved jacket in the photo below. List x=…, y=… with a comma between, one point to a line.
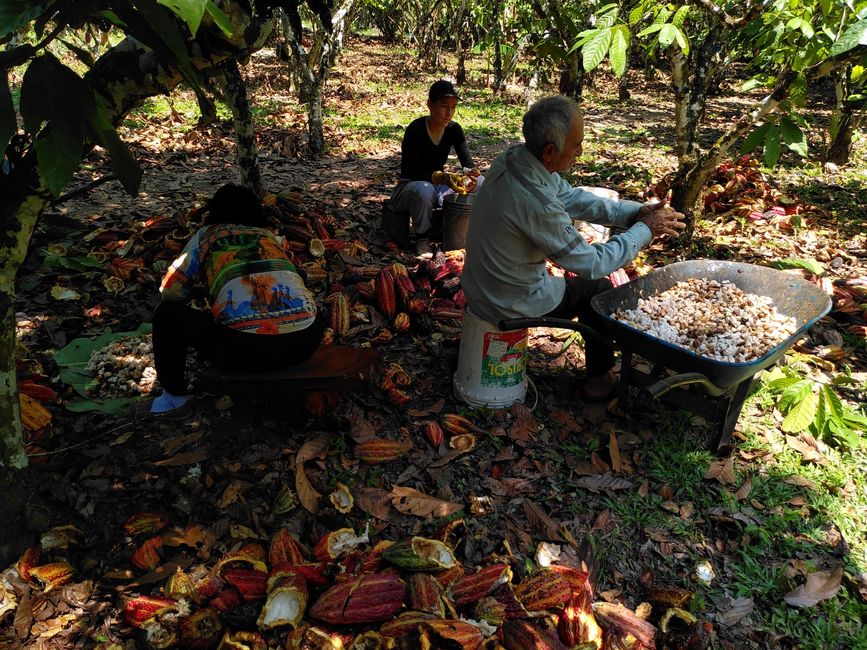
x=521, y=217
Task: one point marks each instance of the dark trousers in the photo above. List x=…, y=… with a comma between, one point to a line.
x=599, y=358
x=177, y=327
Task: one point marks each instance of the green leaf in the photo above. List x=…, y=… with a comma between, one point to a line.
x=123, y=163
x=833, y=403
x=801, y=414
x=77, y=352
x=754, y=139
x=15, y=14
x=617, y=50
x=783, y=382
x=809, y=264
x=37, y=90
x=220, y=18
x=594, y=51
x=72, y=262
x=793, y=137
x=8, y=123
x=855, y=35
x=680, y=37
x=650, y=30
x=59, y=149
x=772, y=146
x=191, y=11
x=680, y=16
x=667, y=35
x=636, y=14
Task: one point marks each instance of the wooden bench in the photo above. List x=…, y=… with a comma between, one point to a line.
x=333, y=370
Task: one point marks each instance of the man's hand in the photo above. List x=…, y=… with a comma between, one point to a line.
x=662, y=219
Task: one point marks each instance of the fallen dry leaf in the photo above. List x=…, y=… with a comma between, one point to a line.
x=820, y=585
x=313, y=448
x=412, y=502
x=744, y=490
x=540, y=521
x=722, y=471
x=374, y=501
x=232, y=492
x=738, y=609
x=603, y=482
x=614, y=449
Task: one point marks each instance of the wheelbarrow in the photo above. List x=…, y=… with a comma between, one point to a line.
x=724, y=385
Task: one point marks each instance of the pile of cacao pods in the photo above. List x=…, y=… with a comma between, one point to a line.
x=414, y=593
x=430, y=298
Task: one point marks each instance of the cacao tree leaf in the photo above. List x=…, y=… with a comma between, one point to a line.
x=772, y=146
x=15, y=14
x=595, y=50
x=802, y=413
x=617, y=50
x=59, y=150
x=123, y=163
x=855, y=35
x=191, y=11
x=650, y=30
x=754, y=138
x=667, y=35
x=36, y=103
x=813, y=266
x=793, y=137
x=80, y=53
x=220, y=18
x=8, y=123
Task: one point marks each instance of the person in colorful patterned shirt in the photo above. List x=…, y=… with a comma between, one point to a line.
x=260, y=317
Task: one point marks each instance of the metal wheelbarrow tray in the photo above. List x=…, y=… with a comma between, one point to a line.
x=793, y=296
x=727, y=383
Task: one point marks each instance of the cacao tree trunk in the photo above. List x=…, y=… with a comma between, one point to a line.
x=572, y=76
x=848, y=117
x=245, y=135
x=19, y=211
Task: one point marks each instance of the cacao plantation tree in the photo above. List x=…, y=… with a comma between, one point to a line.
x=850, y=113
x=312, y=64
x=61, y=115
x=797, y=42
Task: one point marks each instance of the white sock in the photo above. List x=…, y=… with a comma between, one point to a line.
x=167, y=402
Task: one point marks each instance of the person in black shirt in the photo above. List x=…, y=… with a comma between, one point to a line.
x=426, y=145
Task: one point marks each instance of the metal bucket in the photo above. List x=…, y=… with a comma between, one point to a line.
x=456, y=218
x=491, y=364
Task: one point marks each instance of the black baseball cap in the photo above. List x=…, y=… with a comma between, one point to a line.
x=442, y=89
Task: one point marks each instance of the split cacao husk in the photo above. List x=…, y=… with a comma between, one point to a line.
x=284, y=549
x=200, y=630
x=451, y=634
x=420, y=554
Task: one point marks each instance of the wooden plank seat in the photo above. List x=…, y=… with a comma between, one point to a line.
x=332, y=367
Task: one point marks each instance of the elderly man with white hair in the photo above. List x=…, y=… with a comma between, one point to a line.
x=522, y=216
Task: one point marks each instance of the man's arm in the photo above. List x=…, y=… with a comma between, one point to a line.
x=586, y=206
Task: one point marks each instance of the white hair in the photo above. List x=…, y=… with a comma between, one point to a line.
x=548, y=122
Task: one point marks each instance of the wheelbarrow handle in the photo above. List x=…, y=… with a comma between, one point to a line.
x=560, y=323
x=661, y=387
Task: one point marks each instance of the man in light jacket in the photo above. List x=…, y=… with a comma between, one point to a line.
x=522, y=216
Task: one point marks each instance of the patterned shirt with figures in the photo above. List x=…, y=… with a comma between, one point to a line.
x=251, y=284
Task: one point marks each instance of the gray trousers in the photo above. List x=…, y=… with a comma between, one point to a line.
x=419, y=199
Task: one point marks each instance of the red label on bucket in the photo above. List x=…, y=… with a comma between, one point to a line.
x=504, y=355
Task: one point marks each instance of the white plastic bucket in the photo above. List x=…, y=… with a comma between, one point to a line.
x=491, y=364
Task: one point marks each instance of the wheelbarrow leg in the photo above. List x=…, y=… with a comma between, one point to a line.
x=625, y=379
x=731, y=413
